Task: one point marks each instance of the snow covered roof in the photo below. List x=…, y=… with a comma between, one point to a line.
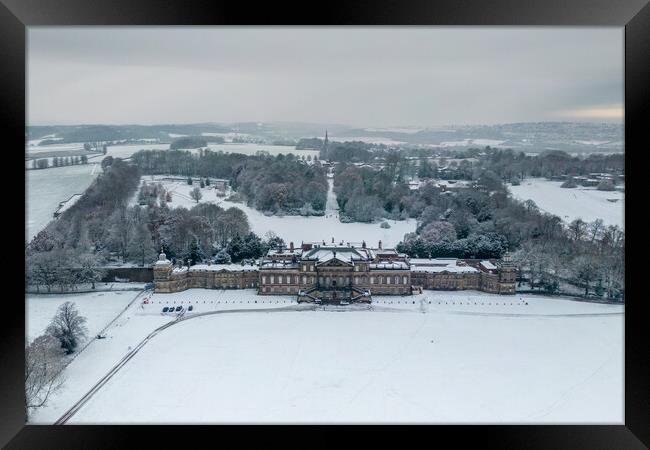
x=285, y=251
x=395, y=265
x=327, y=257
x=278, y=265
x=488, y=265
x=437, y=265
x=343, y=253
x=223, y=267
x=433, y=261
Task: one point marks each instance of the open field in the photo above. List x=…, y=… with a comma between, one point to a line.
x=46, y=188
x=493, y=359
x=588, y=204
x=99, y=308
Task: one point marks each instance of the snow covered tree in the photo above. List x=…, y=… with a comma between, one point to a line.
x=196, y=194
x=570, y=183
x=68, y=326
x=195, y=254
x=90, y=269
x=43, y=371
x=141, y=245
x=121, y=231
x=222, y=257
x=438, y=231
x=577, y=229
x=585, y=271
x=605, y=185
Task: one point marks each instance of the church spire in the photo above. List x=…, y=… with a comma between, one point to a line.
x=324, y=152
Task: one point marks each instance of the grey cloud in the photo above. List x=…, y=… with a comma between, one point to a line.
x=371, y=76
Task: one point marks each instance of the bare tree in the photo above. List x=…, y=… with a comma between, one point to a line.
x=196, y=194
x=68, y=327
x=43, y=370
x=577, y=229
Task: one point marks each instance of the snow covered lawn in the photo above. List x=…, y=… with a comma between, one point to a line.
x=296, y=228
x=99, y=308
x=47, y=187
x=586, y=203
x=493, y=359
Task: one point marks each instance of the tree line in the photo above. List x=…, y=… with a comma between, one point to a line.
x=283, y=184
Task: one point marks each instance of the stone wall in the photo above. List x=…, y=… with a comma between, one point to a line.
x=133, y=274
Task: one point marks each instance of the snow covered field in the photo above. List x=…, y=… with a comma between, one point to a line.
x=588, y=204
x=46, y=188
x=297, y=228
x=470, y=142
x=99, y=308
x=491, y=359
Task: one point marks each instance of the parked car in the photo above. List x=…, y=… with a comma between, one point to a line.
x=165, y=309
x=178, y=308
x=190, y=308
x=149, y=286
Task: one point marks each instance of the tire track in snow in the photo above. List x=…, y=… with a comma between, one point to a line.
x=102, y=381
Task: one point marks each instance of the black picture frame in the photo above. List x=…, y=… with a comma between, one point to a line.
x=634, y=15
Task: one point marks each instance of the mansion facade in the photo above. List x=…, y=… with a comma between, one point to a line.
x=340, y=273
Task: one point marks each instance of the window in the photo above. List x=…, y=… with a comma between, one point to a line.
x=372, y=280
x=272, y=280
x=263, y=280
x=304, y=279
x=405, y=280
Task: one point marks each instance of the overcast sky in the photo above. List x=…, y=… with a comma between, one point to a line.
x=370, y=76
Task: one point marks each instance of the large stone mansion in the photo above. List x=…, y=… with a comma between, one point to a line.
x=339, y=272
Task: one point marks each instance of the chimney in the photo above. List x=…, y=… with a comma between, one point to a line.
x=363, y=244
x=380, y=247
x=291, y=246
x=332, y=240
